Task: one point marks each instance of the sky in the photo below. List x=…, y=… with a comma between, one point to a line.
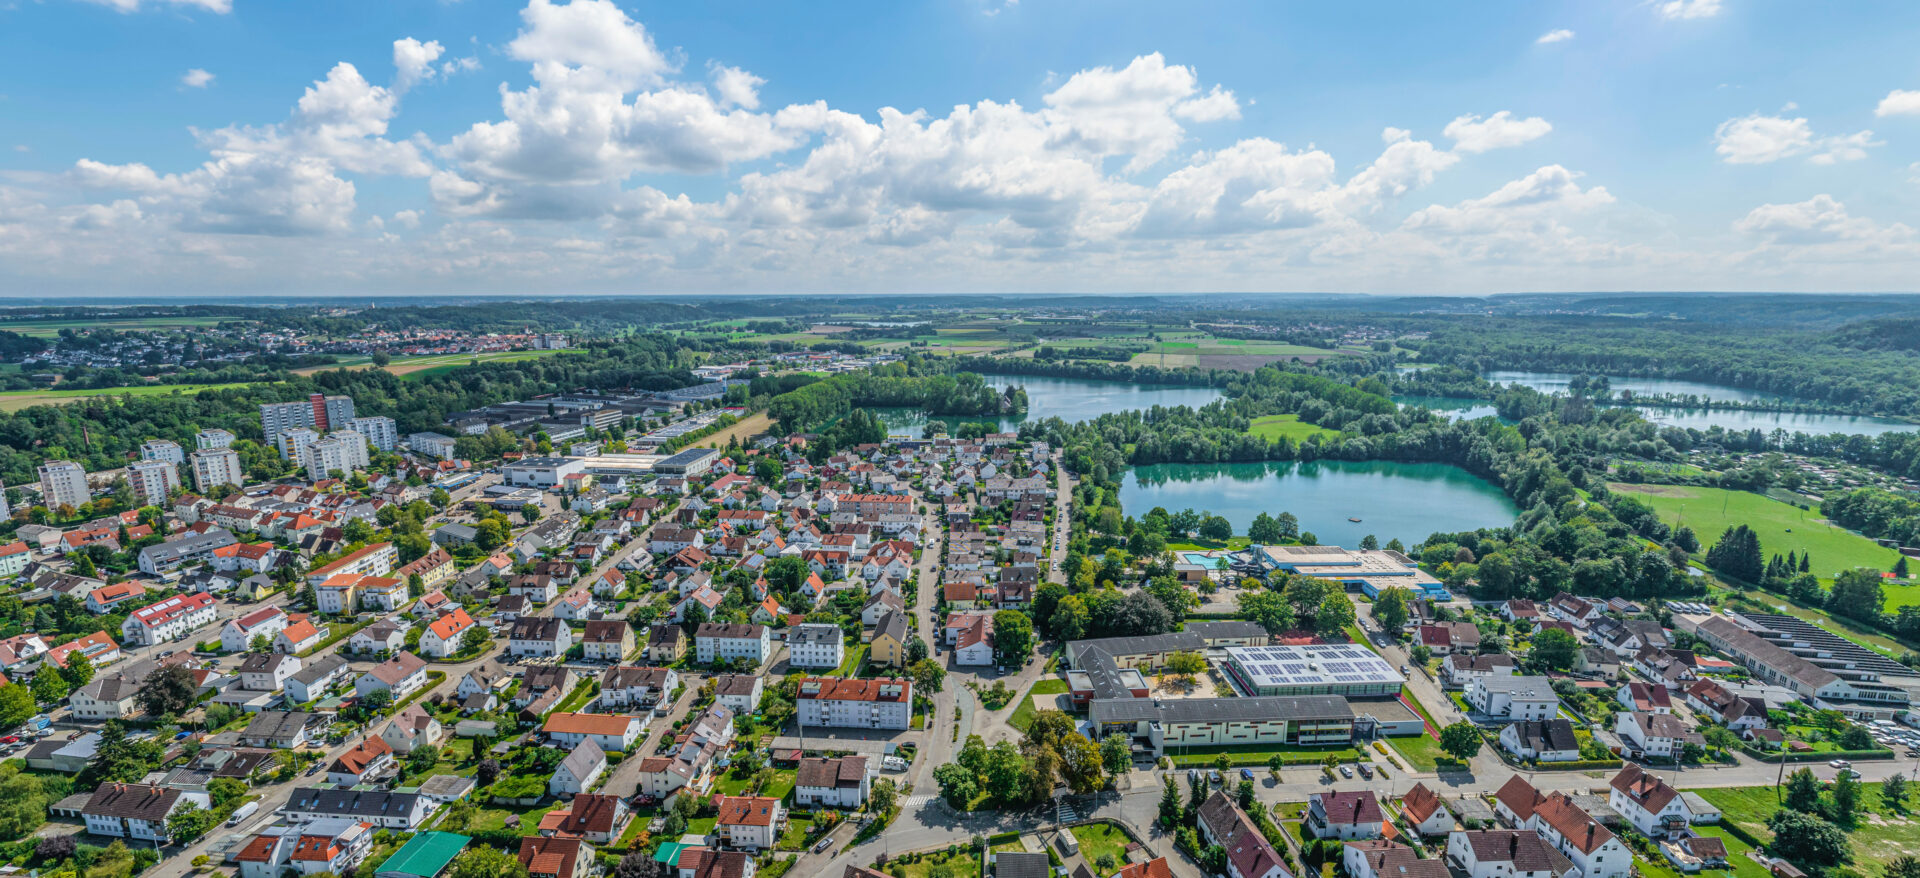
x=260, y=148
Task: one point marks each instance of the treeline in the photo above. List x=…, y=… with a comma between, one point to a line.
x=1784, y=361
x=102, y=432
x=1098, y=371
x=821, y=402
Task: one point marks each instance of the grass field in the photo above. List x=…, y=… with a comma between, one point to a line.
x=435, y=364
x=1102, y=839
x=1781, y=527
x=1879, y=837
x=1274, y=427
x=1420, y=751
x=51, y=328
x=748, y=426
x=1024, y=711
x=15, y=401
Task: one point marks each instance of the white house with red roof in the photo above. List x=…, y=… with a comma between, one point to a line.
x=443, y=635
x=238, y=634
x=168, y=619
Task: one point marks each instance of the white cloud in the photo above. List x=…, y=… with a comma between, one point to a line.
x=1133, y=111
x=1757, y=139
x=1529, y=202
x=1472, y=134
x=1682, y=10
x=452, y=66
x=590, y=40
x=413, y=61
x=196, y=78
x=1821, y=224
x=220, y=7
x=1899, y=102
x=1554, y=36
x=737, y=87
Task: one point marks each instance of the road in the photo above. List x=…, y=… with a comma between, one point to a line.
x=178, y=863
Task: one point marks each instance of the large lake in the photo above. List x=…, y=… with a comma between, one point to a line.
x=1698, y=419
x=1069, y=399
x=1406, y=500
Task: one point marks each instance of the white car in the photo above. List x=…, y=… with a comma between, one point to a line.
x=1840, y=763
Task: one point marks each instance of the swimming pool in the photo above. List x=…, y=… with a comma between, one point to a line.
x=1201, y=558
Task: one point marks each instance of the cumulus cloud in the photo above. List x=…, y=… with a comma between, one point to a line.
x=1757, y=139
x=1498, y=131
x=196, y=78
x=1538, y=198
x=1682, y=10
x=1822, y=224
x=1554, y=36
x=1899, y=103
x=737, y=87
x=1133, y=111
x=413, y=61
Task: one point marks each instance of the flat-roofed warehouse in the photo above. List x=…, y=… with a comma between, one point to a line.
x=691, y=462
x=1313, y=669
x=1214, y=722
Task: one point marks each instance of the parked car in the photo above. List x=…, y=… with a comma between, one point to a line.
x=1246, y=774
x=1346, y=770
x=1366, y=771
x=1214, y=775
x=1840, y=763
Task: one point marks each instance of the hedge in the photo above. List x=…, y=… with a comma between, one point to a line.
x=1740, y=832
x=1576, y=765
x=1824, y=756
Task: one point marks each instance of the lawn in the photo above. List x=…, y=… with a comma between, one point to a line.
x=1877, y=838
x=51, y=328
x=1248, y=757
x=854, y=656
x=1098, y=839
x=1780, y=526
x=1743, y=866
x=17, y=400
x=1420, y=751
x=495, y=817
x=965, y=865
x=731, y=784
x=1273, y=427
x=1024, y=711
x=795, y=838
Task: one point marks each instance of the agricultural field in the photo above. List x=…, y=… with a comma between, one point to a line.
x=435, y=364
x=51, y=328
x=1781, y=527
x=17, y=400
x=1208, y=352
x=1273, y=427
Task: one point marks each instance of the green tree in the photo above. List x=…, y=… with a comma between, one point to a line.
x=957, y=784
x=1334, y=615
x=1803, y=791
x=1846, y=798
x=475, y=638
x=188, y=822
x=1808, y=841
x=49, y=687
x=1893, y=791
x=16, y=705
x=79, y=669
x=883, y=797
x=1245, y=794
x=1116, y=754
x=1216, y=529
x=1265, y=530
x=1390, y=609
x=1012, y=638
x=481, y=861
x=928, y=675
x=1421, y=654
x=260, y=643
x=1555, y=649
x=1082, y=765
x=1184, y=665
x=168, y=690
x=1169, y=806
x=1460, y=740
x=1904, y=867
x=225, y=790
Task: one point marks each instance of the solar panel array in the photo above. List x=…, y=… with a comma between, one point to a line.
x=1319, y=664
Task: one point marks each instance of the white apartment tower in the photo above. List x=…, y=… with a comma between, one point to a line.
x=293, y=443
x=343, y=450
x=63, y=483
x=213, y=467
x=163, y=449
x=381, y=432
x=216, y=438
x=318, y=413
x=152, y=480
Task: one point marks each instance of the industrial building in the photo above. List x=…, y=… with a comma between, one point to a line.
x=1313, y=669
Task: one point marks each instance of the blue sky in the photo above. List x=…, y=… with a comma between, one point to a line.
x=241, y=146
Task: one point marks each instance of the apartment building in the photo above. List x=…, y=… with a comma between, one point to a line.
x=856, y=704
x=214, y=467
x=63, y=483
x=152, y=480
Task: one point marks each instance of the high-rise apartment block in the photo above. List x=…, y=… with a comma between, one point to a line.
x=213, y=467
x=152, y=480
x=63, y=483
x=381, y=432
x=319, y=413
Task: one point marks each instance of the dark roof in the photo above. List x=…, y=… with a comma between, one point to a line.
x=1021, y=865
x=277, y=723
x=893, y=624
x=1293, y=707
x=729, y=630
x=735, y=684
x=611, y=631
x=352, y=803
x=1553, y=734
x=1526, y=850
x=132, y=801
x=542, y=628
x=1226, y=630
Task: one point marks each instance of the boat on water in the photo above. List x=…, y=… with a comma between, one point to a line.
x=1353, y=520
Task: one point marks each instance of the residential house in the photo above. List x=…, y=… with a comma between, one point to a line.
x=1541, y=740
x=412, y=728
x=724, y=641
x=1459, y=670
x=381, y=636
x=839, y=782
x=399, y=676
x=238, y=634
x=739, y=693
x=1505, y=853
x=540, y=636
x=1423, y=810
x=136, y=811
x=1344, y=815
x=399, y=812
x=577, y=773
x=299, y=636
x=1648, y=803
x=445, y=635
x=611, y=732
x=363, y=763
x=888, y=647
x=315, y=678
x=750, y=823
x=607, y=641
x=1509, y=699
x=1645, y=698
x=1382, y=858
x=267, y=671
x=642, y=688
x=595, y=818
